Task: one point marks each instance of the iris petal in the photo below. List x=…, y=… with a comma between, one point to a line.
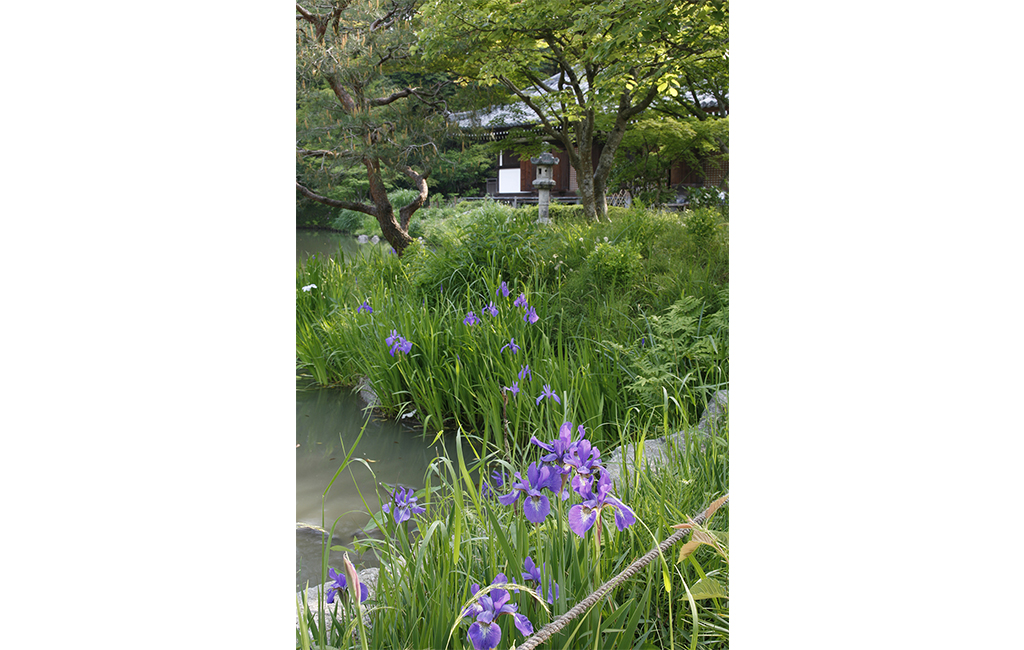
x=523, y=624
x=623, y=514
x=499, y=596
x=542, y=445
x=532, y=570
x=484, y=636
x=536, y=507
x=581, y=518
x=508, y=499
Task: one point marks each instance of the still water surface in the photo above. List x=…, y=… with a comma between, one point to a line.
x=327, y=423
x=326, y=243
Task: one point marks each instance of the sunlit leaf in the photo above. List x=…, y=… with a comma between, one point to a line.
x=708, y=588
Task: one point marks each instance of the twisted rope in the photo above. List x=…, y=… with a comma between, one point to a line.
x=588, y=602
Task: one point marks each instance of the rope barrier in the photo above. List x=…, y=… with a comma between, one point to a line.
x=557, y=624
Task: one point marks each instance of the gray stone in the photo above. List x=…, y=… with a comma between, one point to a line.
x=656, y=453
x=315, y=595
x=309, y=542
x=367, y=393
x=716, y=415
x=309, y=547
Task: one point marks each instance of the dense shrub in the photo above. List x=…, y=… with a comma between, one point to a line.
x=612, y=264
x=565, y=212
x=627, y=311
x=462, y=171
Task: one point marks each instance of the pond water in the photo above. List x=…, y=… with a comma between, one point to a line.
x=327, y=423
x=327, y=243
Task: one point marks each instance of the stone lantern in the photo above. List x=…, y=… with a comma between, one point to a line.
x=544, y=182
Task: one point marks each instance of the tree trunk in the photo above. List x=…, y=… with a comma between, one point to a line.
x=406, y=212
x=587, y=199
x=593, y=210
x=625, y=113
x=395, y=234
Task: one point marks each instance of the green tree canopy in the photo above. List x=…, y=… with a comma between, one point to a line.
x=585, y=69
x=657, y=142
x=358, y=105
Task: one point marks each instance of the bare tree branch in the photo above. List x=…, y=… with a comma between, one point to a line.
x=386, y=20
x=322, y=21
x=343, y=95
x=317, y=153
x=395, y=96
x=334, y=203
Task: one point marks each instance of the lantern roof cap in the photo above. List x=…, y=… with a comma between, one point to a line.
x=545, y=158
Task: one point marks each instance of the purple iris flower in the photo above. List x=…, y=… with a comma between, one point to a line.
x=525, y=372
x=561, y=448
x=535, y=504
x=582, y=516
x=491, y=309
x=502, y=290
x=532, y=571
x=531, y=315
x=498, y=478
x=585, y=461
x=398, y=343
x=471, y=319
x=405, y=505
x=513, y=496
x=521, y=301
x=365, y=307
x=340, y=585
x=511, y=345
x=532, y=574
x=484, y=633
x=547, y=392
x=514, y=388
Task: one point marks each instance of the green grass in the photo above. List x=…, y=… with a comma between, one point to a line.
x=632, y=335
x=626, y=309
x=466, y=537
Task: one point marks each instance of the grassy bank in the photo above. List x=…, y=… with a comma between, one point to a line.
x=631, y=313
x=544, y=347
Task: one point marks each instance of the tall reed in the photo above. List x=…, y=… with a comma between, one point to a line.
x=582, y=336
